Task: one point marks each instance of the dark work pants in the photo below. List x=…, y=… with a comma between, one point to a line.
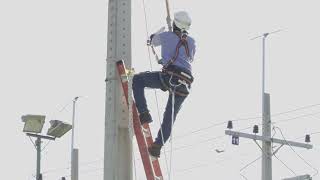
x=155, y=80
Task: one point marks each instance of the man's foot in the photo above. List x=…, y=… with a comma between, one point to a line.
x=145, y=117
x=155, y=150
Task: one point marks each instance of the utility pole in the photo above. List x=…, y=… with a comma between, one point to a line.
x=266, y=138
x=266, y=122
x=118, y=144
x=74, y=152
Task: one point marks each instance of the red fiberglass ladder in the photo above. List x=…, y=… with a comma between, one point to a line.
x=143, y=133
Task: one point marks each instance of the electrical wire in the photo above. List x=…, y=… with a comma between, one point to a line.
x=88, y=171
x=66, y=168
x=62, y=109
x=250, y=163
x=285, y=164
x=306, y=162
x=216, y=137
x=253, y=118
x=200, y=165
x=242, y=129
x=274, y=154
x=44, y=147
x=294, y=118
x=243, y=176
x=297, y=109
x=34, y=145
x=246, y=166
x=201, y=129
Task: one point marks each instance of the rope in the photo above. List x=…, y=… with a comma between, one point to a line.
x=172, y=119
x=174, y=86
x=155, y=92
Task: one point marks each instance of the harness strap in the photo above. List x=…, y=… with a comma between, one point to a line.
x=183, y=42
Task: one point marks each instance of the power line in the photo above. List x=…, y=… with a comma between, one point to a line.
x=253, y=118
x=219, y=137
x=297, y=109
x=284, y=164
x=66, y=168
x=306, y=162
x=249, y=164
x=294, y=118
x=44, y=147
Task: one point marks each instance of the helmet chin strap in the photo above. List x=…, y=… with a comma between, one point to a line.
x=178, y=31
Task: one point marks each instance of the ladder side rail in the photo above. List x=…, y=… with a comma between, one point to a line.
x=143, y=142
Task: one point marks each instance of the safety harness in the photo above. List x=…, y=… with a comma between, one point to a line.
x=169, y=68
x=183, y=42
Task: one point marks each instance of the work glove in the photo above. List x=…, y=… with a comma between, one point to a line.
x=161, y=30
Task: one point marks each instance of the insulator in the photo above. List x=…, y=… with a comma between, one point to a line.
x=307, y=139
x=230, y=125
x=255, y=129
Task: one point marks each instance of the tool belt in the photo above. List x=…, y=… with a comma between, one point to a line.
x=182, y=76
x=179, y=72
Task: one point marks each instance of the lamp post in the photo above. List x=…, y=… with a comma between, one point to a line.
x=74, y=152
x=73, y=118
x=33, y=126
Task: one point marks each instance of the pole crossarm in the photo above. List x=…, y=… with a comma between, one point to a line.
x=267, y=139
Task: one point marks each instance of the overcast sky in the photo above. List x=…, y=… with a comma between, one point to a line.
x=52, y=51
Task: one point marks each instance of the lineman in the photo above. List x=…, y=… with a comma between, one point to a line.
x=177, y=51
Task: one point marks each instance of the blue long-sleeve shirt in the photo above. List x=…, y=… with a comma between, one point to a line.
x=168, y=42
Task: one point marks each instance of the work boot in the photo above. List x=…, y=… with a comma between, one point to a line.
x=145, y=117
x=155, y=150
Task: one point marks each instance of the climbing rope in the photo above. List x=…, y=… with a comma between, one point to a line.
x=172, y=119
x=174, y=86
x=155, y=92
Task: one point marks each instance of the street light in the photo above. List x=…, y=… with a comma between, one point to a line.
x=33, y=123
x=33, y=126
x=58, y=128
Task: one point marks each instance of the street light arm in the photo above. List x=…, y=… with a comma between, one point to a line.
x=40, y=136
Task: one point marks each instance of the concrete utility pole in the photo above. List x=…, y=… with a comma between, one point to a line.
x=118, y=146
x=266, y=138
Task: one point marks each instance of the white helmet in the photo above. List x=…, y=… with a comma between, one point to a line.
x=182, y=20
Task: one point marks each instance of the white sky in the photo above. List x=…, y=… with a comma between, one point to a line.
x=52, y=51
